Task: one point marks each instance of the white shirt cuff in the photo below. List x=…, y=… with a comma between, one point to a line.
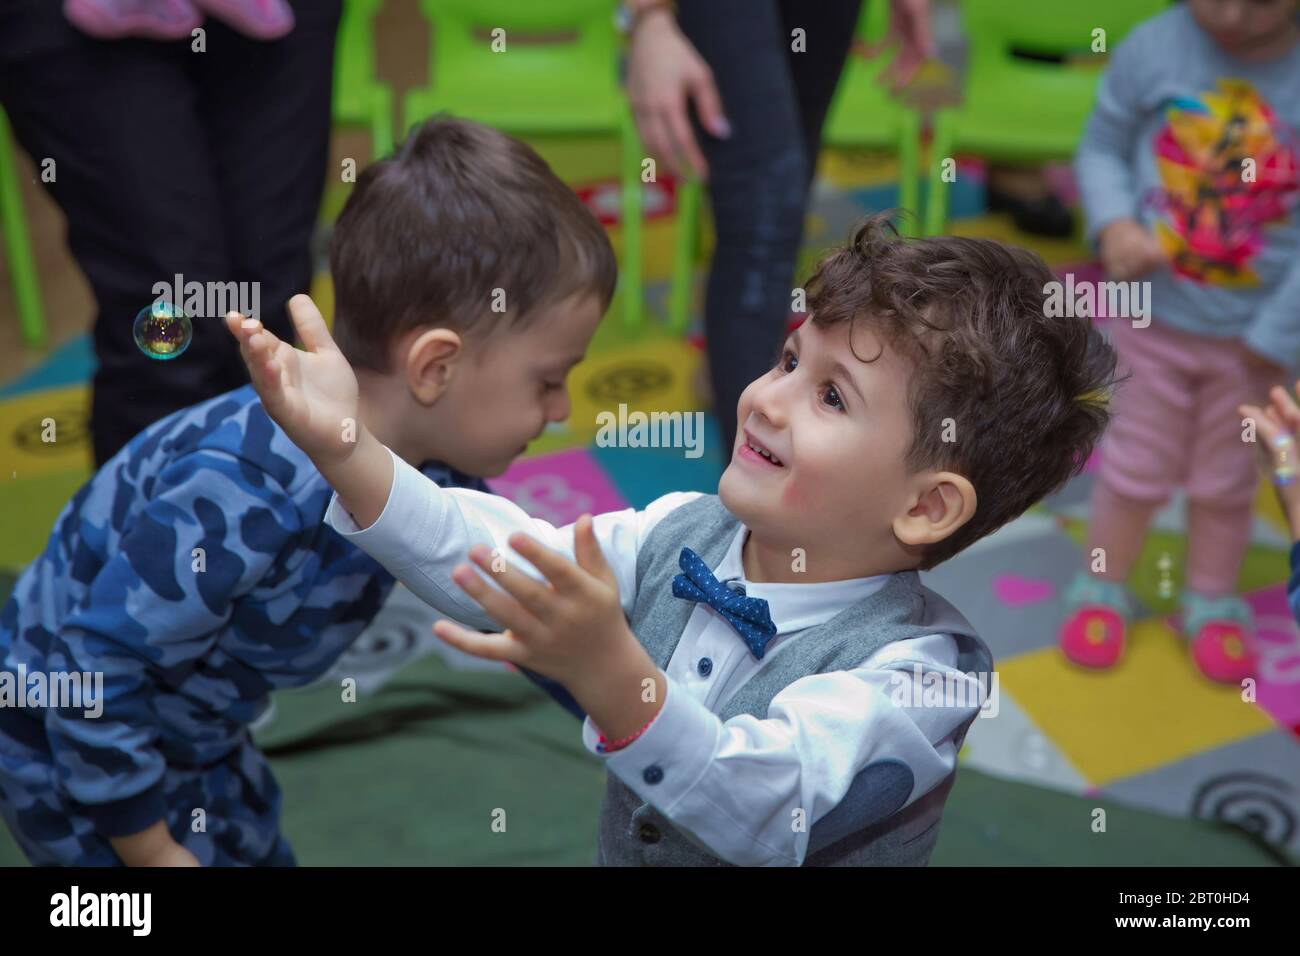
x=670, y=757
x=393, y=539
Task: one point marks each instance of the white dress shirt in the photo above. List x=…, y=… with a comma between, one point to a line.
x=749, y=789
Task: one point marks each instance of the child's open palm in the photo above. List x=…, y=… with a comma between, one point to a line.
x=570, y=628
x=311, y=394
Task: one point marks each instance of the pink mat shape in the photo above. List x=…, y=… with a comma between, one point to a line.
x=1278, y=640
x=559, y=487
x=1015, y=591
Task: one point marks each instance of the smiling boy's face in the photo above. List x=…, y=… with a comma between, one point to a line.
x=839, y=429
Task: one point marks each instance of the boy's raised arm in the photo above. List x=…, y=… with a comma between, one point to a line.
x=313, y=396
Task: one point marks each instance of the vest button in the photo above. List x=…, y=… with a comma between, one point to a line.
x=704, y=667
x=652, y=774
x=649, y=833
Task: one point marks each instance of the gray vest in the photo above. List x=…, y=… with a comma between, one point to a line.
x=866, y=828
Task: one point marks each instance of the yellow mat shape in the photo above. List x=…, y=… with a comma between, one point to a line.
x=650, y=376
x=45, y=432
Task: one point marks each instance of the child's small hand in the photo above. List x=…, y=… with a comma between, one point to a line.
x=312, y=395
x=549, y=628
x=175, y=855
x=153, y=846
x=1278, y=434
x=1129, y=250
x=572, y=630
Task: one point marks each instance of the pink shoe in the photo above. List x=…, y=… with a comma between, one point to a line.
x=115, y=19
x=1093, y=636
x=1224, y=652
x=1095, y=632
x=259, y=19
x=1223, y=636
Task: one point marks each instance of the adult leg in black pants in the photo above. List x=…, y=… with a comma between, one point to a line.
x=169, y=161
x=775, y=100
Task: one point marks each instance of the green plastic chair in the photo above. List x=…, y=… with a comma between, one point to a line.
x=360, y=99
x=1019, y=109
x=18, y=247
x=863, y=113
x=686, y=241
x=567, y=85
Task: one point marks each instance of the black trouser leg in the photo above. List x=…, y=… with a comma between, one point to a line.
x=169, y=161
x=775, y=100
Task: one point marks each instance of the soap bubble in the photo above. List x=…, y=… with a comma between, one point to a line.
x=162, y=330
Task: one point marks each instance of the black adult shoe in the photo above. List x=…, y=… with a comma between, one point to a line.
x=1043, y=215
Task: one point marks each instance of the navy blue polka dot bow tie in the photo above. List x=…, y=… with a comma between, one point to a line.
x=747, y=615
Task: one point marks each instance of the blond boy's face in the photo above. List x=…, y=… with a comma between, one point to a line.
x=506, y=391
x=839, y=429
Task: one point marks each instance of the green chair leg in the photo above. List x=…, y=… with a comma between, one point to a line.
x=633, y=290
x=909, y=152
x=936, y=205
x=360, y=99
x=415, y=109
x=688, y=233
x=22, y=266
x=381, y=122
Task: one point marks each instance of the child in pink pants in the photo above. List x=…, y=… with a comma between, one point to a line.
x=1175, y=426
x=1188, y=175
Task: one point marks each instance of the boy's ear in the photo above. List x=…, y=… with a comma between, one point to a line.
x=945, y=503
x=429, y=363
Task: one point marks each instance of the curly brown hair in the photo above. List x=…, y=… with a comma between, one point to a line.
x=1027, y=394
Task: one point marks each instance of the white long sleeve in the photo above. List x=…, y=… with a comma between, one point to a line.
x=425, y=531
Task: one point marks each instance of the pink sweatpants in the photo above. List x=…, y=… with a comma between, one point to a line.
x=1176, y=424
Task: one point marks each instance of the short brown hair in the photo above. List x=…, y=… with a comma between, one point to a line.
x=1027, y=394
x=458, y=212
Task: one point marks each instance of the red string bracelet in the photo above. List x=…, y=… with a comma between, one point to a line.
x=606, y=747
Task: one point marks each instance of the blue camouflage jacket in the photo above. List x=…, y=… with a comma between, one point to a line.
x=194, y=572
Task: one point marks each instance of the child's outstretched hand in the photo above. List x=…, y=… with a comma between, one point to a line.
x=550, y=628
x=572, y=629
x=1278, y=428
x=311, y=394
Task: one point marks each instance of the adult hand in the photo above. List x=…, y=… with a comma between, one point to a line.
x=664, y=74
x=909, y=28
